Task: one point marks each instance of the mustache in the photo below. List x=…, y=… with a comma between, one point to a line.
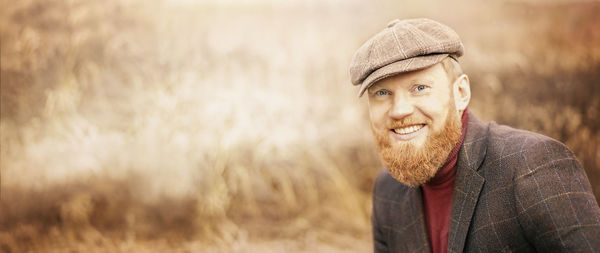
x=407, y=122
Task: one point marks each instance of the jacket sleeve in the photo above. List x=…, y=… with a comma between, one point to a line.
x=379, y=243
x=555, y=204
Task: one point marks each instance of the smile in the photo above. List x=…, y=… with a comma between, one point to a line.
x=409, y=132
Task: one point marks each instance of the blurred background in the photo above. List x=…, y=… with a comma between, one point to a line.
x=232, y=126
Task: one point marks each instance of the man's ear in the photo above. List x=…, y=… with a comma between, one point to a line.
x=462, y=92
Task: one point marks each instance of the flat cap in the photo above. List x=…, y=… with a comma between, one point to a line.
x=403, y=46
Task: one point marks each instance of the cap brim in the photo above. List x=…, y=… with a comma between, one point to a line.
x=398, y=67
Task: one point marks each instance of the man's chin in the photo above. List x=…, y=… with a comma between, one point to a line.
x=414, y=144
x=412, y=176
x=410, y=148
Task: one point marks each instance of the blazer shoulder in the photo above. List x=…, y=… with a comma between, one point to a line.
x=505, y=142
x=386, y=186
x=550, y=195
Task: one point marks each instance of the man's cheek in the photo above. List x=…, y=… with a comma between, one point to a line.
x=433, y=104
x=377, y=122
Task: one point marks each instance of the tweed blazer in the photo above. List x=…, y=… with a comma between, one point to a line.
x=515, y=191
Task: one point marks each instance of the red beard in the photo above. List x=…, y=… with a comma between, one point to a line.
x=414, y=166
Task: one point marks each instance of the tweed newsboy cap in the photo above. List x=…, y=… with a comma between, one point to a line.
x=403, y=46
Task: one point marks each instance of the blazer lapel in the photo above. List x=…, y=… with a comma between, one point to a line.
x=406, y=220
x=421, y=244
x=468, y=183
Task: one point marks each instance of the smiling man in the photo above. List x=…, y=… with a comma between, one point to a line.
x=452, y=183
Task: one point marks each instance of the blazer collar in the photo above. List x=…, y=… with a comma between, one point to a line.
x=468, y=182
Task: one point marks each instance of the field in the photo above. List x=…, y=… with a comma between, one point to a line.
x=232, y=126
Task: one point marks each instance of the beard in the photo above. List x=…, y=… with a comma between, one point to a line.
x=413, y=165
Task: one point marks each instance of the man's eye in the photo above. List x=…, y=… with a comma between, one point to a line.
x=420, y=88
x=381, y=93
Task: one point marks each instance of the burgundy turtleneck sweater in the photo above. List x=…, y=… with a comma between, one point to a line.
x=437, y=197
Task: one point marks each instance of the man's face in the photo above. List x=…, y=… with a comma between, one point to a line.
x=415, y=122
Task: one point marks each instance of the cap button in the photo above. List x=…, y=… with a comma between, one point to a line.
x=392, y=23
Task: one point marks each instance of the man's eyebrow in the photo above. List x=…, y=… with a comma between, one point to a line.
x=422, y=81
x=375, y=87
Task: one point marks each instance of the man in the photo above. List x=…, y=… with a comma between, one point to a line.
x=453, y=183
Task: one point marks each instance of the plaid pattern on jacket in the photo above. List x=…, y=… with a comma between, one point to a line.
x=515, y=191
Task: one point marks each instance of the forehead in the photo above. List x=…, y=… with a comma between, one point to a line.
x=431, y=75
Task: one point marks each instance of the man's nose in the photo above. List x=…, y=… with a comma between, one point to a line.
x=401, y=108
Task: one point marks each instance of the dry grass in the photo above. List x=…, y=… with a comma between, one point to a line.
x=176, y=126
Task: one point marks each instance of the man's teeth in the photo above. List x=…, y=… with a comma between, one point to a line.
x=407, y=130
